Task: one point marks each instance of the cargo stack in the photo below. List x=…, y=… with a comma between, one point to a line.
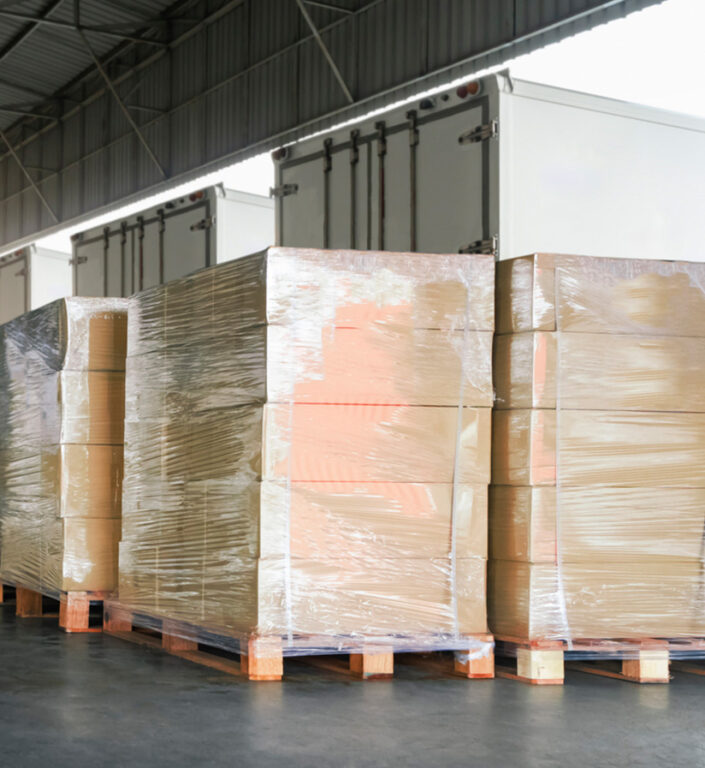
x=61, y=416
x=307, y=453
x=597, y=507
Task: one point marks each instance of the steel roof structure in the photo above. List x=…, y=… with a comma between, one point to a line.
x=102, y=100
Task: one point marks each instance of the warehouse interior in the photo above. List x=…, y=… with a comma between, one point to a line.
x=352, y=359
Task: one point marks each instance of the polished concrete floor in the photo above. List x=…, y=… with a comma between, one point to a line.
x=93, y=700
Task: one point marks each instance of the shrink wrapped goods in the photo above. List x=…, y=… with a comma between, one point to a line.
x=61, y=445
x=308, y=451
x=597, y=504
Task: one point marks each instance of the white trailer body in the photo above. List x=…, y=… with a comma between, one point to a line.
x=170, y=240
x=512, y=168
x=31, y=277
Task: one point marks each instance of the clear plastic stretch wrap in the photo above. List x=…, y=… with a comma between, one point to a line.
x=597, y=508
x=308, y=451
x=61, y=454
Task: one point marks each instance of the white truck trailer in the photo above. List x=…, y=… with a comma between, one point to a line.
x=501, y=166
x=170, y=240
x=31, y=277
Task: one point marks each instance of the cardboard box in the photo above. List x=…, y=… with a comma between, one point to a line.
x=376, y=443
x=596, y=600
x=598, y=372
x=71, y=554
x=596, y=523
x=90, y=554
x=392, y=365
x=85, y=480
x=310, y=520
x=548, y=292
x=336, y=520
x=621, y=448
x=71, y=334
x=327, y=598
x=85, y=407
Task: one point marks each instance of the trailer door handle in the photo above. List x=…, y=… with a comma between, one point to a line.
x=206, y=223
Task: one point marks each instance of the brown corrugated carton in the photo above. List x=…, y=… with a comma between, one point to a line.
x=596, y=600
x=548, y=292
x=627, y=448
x=85, y=480
x=597, y=372
x=333, y=520
x=535, y=524
x=89, y=408
x=90, y=553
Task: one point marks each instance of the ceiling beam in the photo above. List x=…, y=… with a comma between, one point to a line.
x=121, y=104
x=20, y=109
x=108, y=30
x=329, y=7
x=9, y=3
x=27, y=30
x=24, y=88
x=26, y=173
x=326, y=53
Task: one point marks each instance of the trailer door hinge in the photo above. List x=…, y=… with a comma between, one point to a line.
x=22, y=272
x=283, y=190
x=481, y=133
x=78, y=260
x=206, y=223
x=490, y=246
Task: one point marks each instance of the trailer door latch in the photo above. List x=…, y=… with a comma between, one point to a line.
x=206, y=223
x=78, y=260
x=481, y=133
x=489, y=246
x=283, y=190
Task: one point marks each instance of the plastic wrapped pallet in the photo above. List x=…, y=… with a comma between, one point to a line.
x=61, y=445
x=597, y=508
x=307, y=451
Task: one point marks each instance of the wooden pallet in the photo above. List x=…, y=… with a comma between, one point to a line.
x=74, y=608
x=264, y=659
x=7, y=594
x=544, y=662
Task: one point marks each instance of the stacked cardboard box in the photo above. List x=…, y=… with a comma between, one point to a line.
x=597, y=509
x=308, y=446
x=61, y=433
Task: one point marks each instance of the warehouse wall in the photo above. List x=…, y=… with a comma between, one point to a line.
x=250, y=77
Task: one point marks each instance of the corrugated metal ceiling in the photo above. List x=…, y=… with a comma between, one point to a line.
x=205, y=82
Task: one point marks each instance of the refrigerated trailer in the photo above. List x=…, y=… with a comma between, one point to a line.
x=31, y=277
x=170, y=240
x=501, y=166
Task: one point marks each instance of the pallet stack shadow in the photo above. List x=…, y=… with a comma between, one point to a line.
x=307, y=459
x=598, y=497
x=61, y=416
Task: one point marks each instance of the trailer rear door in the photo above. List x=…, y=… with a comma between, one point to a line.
x=417, y=180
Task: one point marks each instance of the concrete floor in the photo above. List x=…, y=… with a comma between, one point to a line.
x=92, y=700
